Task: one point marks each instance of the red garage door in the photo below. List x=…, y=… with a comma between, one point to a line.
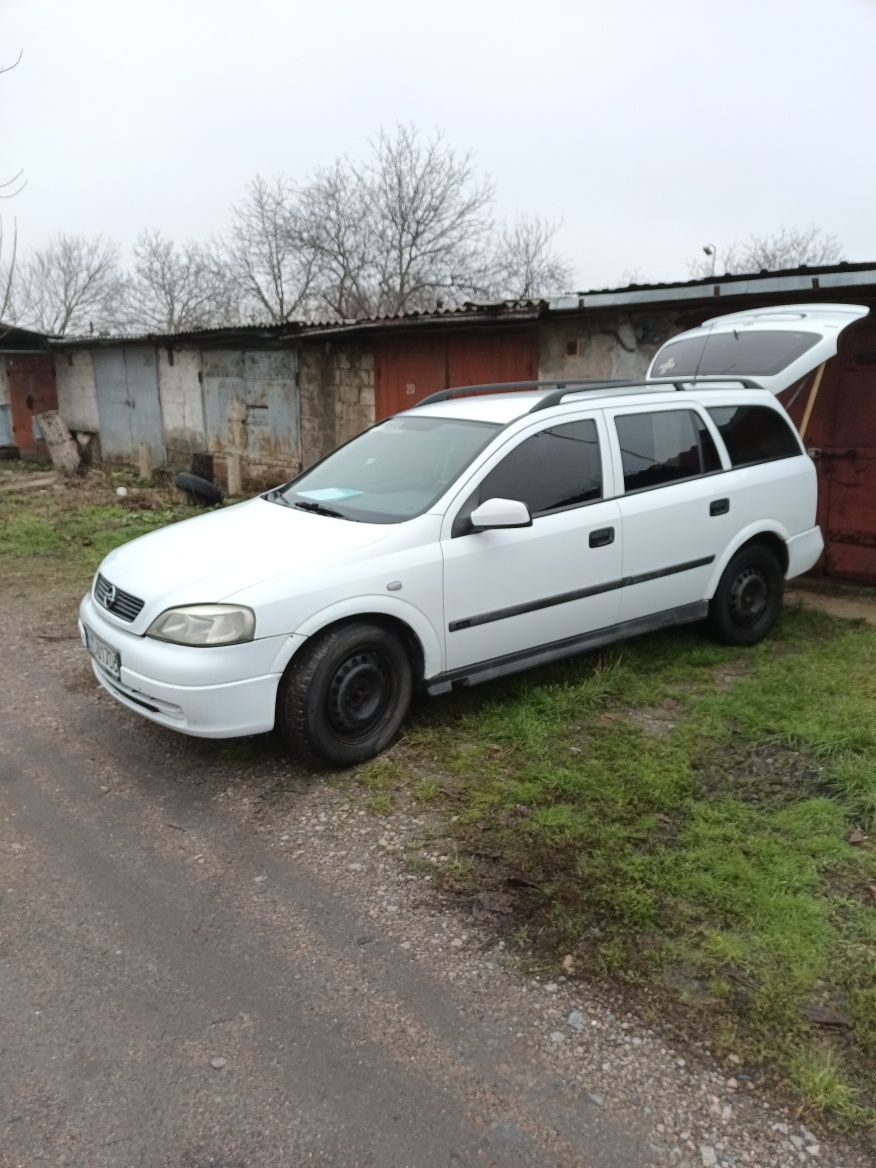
x=842, y=433
x=31, y=380
x=409, y=368
x=847, y=465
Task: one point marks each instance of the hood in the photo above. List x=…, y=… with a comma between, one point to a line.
x=207, y=558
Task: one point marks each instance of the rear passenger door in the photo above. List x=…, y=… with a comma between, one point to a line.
x=676, y=513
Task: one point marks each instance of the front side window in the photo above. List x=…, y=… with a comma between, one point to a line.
x=556, y=468
x=392, y=472
x=664, y=447
x=754, y=434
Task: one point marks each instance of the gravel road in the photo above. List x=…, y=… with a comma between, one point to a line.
x=208, y=957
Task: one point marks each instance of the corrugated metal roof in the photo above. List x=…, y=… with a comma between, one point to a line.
x=803, y=278
x=271, y=331
x=470, y=310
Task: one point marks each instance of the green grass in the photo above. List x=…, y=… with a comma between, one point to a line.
x=675, y=815
x=59, y=535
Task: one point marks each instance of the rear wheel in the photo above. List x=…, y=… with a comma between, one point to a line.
x=748, y=598
x=345, y=695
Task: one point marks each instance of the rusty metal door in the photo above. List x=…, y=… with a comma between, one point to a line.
x=407, y=368
x=31, y=381
x=251, y=405
x=128, y=403
x=847, y=465
x=506, y=355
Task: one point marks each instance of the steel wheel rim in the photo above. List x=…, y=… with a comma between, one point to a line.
x=749, y=597
x=359, y=695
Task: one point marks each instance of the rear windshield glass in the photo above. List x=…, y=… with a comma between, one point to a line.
x=743, y=354
x=392, y=472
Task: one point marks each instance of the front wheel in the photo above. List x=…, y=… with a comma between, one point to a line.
x=345, y=695
x=748, y=598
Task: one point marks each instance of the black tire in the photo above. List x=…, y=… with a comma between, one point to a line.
x=199, y=491
x=748, y=598
x=345, y=695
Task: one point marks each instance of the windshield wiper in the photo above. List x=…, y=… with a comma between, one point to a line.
x=277, y=496
x=319, y=509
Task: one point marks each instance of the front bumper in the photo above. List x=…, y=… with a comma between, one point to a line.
x=219, y=692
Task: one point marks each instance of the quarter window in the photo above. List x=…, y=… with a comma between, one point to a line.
x=754, y=434
x=556, y=468
x=664, y=447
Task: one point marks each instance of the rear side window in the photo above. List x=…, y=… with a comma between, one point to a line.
x=754, y=434
x=664, y=447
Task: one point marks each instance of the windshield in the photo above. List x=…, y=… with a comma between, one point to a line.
x=392, y=472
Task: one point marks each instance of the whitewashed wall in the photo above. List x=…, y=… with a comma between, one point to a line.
x=77, y=394
x=182, y=403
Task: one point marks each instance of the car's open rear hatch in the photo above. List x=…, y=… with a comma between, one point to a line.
x=772, y=347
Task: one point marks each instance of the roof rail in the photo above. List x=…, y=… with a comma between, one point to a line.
x=563, y=387
x=562, y=392
x=566, y=384
x=716, y=378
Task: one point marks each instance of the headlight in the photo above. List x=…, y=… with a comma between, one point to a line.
x=204, y=624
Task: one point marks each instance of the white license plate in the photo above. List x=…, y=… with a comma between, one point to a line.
x=105, y=655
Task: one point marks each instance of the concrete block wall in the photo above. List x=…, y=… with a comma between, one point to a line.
x=336, y=380
x=616, y=345
x=77, y=394
x=182, y=403
x=354, y=391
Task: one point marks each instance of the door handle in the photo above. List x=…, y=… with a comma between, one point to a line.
x=719, y=506
x=602, y=537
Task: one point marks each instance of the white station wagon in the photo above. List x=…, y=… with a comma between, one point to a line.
x=484, y=531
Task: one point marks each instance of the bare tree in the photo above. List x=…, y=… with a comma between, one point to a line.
x=264, y=255
x=524, y=265
x=334, y=227
x=73, y=284
x=7, y=276
x=172, y=288
x=791, y=247
x=428, y=218
x=407, y=227
x=9, y=188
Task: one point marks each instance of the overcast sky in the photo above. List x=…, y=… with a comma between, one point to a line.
x=648, y=127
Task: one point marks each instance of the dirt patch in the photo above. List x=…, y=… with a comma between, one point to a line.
x=657, y=721
x=27, y=482
x=848, y=602
x=767, y=774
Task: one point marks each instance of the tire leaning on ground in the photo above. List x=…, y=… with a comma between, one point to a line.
x=345, y=694
x=748, y=598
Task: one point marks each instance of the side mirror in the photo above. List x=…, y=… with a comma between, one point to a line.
x=500, y=513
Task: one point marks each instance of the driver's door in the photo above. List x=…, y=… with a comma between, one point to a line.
x=509, y=591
